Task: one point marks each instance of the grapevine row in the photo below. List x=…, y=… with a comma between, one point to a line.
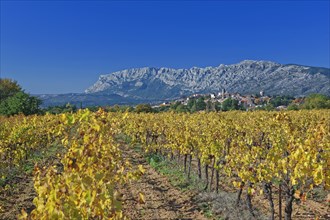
x=258, y=150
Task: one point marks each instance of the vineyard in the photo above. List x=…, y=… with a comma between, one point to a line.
x=281, y=157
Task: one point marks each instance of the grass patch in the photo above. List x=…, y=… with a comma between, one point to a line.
x=176, y=176
x=318, y=194
x=207, y=211
x=138, y=148
x=174, y=172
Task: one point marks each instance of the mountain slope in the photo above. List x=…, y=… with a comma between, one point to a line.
x=86, y=99
x=246, y=77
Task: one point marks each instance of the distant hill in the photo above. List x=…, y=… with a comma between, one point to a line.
x=151, y=84
x=86, y=99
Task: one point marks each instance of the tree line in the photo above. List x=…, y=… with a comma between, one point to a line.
x=14, y=100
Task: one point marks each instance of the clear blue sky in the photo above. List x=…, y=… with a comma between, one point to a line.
x=61, y=47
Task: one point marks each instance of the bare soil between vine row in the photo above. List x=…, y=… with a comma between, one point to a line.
x=162, y=200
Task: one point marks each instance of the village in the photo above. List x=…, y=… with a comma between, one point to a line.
x=242, y=102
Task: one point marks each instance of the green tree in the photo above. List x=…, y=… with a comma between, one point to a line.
x=175, y=105
x=281, y=100
x=13, y=100
x=293, y=106
x=269, y=107
x=217, y=106
x=316, y=101
x=163, y=108
x=143, y=108
x=200, y=104
x=190, y=103
x=193, y=108
x=230, y=104
x=20, y=103
x=8, y=88
x=181, y=108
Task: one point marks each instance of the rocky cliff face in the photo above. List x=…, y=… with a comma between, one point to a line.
x=246, y=77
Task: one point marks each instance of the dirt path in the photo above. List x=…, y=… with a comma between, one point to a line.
x=163, y=201
x=14, y=200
